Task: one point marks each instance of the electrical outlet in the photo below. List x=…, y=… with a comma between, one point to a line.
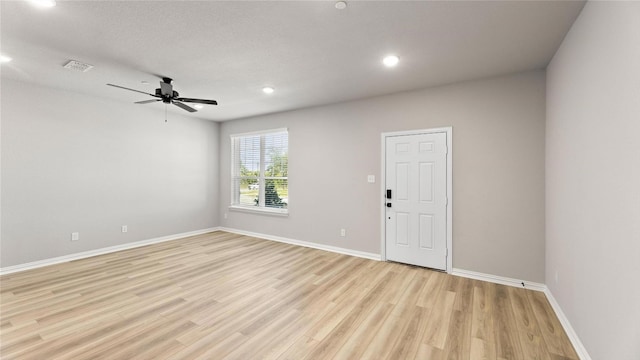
x=75, y=236
x=124, y=228
x=371, y=179
x=343, y=232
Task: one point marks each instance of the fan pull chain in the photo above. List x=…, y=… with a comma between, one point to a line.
x=165, y=112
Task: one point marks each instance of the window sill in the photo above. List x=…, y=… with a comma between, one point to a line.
x=257, y=210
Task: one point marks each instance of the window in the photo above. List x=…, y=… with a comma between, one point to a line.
x=259, y=175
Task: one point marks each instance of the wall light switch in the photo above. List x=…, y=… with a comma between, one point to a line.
x=371, y=179
x=75, y=236
x=124, y=228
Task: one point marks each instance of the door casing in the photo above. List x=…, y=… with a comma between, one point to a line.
x=449, y=131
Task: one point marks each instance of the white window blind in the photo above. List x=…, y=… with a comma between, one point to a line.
x=259, y=179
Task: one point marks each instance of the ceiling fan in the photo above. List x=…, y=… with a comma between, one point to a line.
x=167, y=95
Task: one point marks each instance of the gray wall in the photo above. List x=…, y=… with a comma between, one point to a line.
x=498, y=171
x=593, y=179
x=76, y=163
x=72, y=162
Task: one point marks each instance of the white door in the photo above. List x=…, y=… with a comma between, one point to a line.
x=416, y=199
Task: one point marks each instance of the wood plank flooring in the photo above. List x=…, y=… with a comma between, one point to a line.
x=226, y=296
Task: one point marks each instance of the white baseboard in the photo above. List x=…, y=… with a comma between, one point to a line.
x=335, y=249
x=107, y=250
x=573, y=337
x=499, y=279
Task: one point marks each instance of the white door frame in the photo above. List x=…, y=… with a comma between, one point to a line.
x=449, y=131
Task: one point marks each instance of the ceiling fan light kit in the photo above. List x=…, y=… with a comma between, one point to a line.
x=167, y=95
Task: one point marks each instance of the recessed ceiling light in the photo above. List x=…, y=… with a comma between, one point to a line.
x=5, y=59
x=268, y=90
x=390, y=60
x=341, y=5
x=43, y=3
x=198, y=106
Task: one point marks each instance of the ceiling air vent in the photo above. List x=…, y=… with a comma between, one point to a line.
x=77, y=66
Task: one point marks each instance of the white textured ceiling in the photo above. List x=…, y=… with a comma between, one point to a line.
x=312, y=53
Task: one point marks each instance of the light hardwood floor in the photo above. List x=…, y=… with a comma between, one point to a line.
x=226, y=296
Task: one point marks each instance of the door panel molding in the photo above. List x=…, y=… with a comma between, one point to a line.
x=449, y=184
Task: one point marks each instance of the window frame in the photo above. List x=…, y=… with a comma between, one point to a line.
x=261, y=178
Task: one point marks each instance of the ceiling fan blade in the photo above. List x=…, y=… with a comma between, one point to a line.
x=126, y=88
x=147, y=101
x=166, y=89
x=198, y=101
x=183, y=106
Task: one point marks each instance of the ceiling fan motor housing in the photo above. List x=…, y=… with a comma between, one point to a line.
x=166, y=98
